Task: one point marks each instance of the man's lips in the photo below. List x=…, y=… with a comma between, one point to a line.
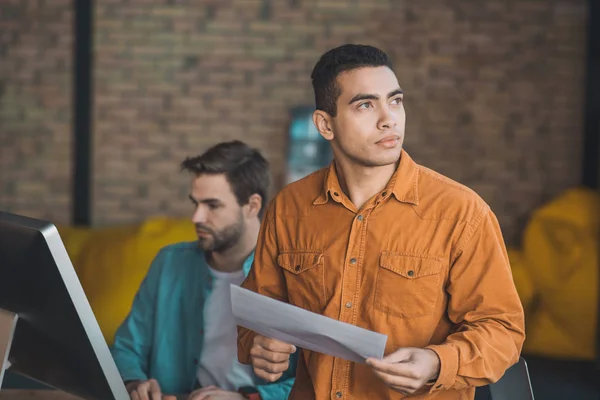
x=389, y=141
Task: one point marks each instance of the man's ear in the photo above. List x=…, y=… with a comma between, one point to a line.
x=323, y=123
x=254, y=205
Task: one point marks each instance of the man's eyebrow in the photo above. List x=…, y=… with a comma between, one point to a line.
x=395, y=93
x=205, y=201
x=363, y=96
x=367, y=96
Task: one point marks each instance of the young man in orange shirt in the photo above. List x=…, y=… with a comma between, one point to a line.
x=378, y=241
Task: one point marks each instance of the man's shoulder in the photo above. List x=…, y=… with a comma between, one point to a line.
x=441, y=197
x=180, y=248
x=303, y=192
x=176, y=254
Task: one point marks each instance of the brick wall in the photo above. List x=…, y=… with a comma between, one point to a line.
x=494, y=90
x=35, y=107
x=495, y=95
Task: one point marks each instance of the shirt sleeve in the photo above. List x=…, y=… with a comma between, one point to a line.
x=265, y=277
x=133, y=340
x=485, y=306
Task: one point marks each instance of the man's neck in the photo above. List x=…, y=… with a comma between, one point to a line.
x=360, y=183
x=233, y=259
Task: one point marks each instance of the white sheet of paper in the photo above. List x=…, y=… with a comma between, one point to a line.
x=305, y=329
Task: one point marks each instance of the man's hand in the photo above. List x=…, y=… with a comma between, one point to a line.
x=270, y=358
x=146, y=390
x=214, y=393
x=408, y=369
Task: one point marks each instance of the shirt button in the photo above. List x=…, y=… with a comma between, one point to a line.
x=353, y=261
x=411, y=272
x=349, y=304
x=360, y=218
x=335, y=194
x=384, y=194
x=338, y=395
x=297, y=268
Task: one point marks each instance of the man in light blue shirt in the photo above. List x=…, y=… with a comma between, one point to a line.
x=180, y=336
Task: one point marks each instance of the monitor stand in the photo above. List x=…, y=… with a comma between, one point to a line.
x=8, y=322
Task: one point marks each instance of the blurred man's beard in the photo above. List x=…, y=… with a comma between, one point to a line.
x=222, y=240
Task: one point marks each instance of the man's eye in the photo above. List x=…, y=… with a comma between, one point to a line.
x=365, y=105
x=397, y=100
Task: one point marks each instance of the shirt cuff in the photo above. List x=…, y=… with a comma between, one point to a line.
x=244, y=336
x=448, y=366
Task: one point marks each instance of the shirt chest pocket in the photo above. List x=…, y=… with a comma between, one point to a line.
x=304, y=277
x=406, y=286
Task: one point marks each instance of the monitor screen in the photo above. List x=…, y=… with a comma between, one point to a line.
x=56, y=340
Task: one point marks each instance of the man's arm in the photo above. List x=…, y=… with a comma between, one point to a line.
x=133, y=339
x=486, y=308
x=265, y=277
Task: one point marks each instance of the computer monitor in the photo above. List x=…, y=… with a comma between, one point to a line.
x=56, y=339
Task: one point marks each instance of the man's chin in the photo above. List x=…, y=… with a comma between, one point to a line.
x=205, y=245
x=381, y=162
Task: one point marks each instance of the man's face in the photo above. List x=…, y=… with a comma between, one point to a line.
x=218, y=217
x=368, y=129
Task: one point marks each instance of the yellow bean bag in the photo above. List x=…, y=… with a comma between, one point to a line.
x=112, y=262
x=560, y=254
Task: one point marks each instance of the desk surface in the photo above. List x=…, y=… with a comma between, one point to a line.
x=26, y=394
x=20, y=394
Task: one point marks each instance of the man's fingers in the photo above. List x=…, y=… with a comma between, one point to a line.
x=398, y=369
x=208, y=393
x=156, y=395
x=274, y=345
x=273, y=368
x=205, y=395
x=207, y=389
x=142, y=390
x=169, y=397
x=134, y=395
x=143, y=394
x=154, y=389
x=271, y=356
x=400, y=355
x=267, y=376
x=398, y=381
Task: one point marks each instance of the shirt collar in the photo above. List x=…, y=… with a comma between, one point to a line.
x=403, y=184
x=248, y=263
x=246, y=266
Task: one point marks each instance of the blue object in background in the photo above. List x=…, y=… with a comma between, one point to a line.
x=308, y=151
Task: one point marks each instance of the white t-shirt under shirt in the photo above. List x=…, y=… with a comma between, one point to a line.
x=219, y=365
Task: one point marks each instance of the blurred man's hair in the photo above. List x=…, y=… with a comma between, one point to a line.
x=342, y=59
x=246, y=170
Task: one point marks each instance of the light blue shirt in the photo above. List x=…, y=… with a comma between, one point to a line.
x=162, y=336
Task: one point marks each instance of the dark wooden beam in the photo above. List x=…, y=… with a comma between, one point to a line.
x=82, y=111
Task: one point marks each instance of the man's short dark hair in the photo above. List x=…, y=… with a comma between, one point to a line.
x=246, y=170
x=341, y=59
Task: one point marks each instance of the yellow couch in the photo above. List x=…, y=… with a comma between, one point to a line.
x=556, y=271
x=112, y=262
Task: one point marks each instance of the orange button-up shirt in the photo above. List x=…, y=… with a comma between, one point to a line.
x=422, y=262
